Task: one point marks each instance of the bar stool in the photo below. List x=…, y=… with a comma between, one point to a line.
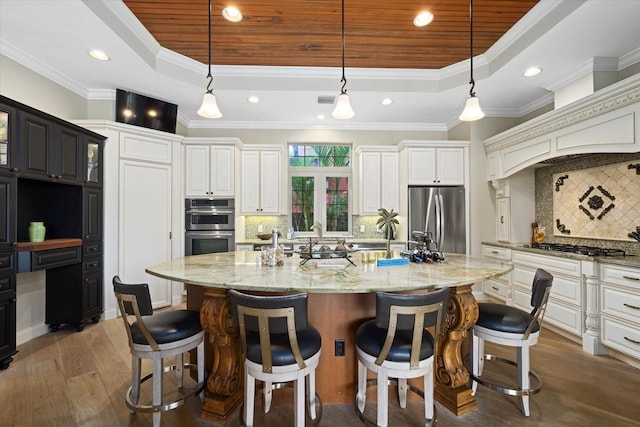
x=397, y=344
x=510, y=326
x=156, y=336
x=278, y=346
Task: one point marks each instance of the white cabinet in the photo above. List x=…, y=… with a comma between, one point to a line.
x=503, y=217
x=565, y=308
x=378, y=179
x=499, y=287
x=209, y=170
x=620, y=308
x=260, y=181
x=435, y=165
x=244, y=247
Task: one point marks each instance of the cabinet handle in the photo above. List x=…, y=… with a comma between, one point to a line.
x=630, y=278
x=630, y=306
x=93, y=249
x=630, y=340
x=502, y=219
x=495, y=252
x=494, y=288
x=93, y=265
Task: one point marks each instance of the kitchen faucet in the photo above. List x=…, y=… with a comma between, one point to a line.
x=318, y=227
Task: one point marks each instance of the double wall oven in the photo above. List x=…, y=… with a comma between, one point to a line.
x=209, y=226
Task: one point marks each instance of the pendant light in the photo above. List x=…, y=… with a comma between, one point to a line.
x=472, y=110
x=209, y=107
x=343, y=108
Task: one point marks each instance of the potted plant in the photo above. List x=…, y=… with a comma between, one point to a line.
x=387, y=223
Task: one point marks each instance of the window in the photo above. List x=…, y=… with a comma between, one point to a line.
x=320, y=189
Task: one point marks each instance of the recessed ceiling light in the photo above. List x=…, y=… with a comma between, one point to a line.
x=386, y=101
x=532, y=71
x=423, y=19
x=99, y=55
x=321, y=116
x=232, y=14
x=253, y=99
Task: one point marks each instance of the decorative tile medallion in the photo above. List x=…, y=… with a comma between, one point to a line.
x=599, y=203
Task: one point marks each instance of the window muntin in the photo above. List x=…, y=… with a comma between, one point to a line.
x=333, y=156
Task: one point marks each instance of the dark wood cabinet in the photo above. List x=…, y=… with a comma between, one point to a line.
x=51, y=171
x=92, y=214
x=7, y=307
x=7, y=211
x=49, y=150
x=8, y=138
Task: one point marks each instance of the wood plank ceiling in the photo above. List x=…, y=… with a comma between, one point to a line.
x=378, y=33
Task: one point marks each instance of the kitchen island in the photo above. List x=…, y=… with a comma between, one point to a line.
x=341, y=296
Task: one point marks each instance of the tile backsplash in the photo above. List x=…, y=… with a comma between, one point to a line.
x=607, y=171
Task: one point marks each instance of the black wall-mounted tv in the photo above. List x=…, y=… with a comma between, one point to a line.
x=140, y=110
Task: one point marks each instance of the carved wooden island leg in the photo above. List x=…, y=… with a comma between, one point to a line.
x=452, y=377
x=224, y=384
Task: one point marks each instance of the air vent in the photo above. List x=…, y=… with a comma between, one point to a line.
x=326, y=99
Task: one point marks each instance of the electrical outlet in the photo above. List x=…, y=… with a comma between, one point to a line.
x=362, y=228
x=339, y=350
x=260, y=228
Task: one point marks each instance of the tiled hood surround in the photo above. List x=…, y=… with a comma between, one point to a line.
x=600, y=202
x=608, y=233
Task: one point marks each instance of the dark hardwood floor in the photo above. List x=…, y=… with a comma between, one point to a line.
x=68, y=378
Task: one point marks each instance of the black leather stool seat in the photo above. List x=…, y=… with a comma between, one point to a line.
x=504, y=318
x=309, y=341
x=168, y=326
x=370, y=339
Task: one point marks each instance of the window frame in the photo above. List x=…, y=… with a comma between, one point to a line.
x=319, y=174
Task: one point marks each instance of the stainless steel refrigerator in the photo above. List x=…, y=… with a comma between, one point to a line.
x=440, y=210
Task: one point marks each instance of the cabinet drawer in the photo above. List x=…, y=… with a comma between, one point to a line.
x=560, y=315
x=566, y=289
x=620, y=275
x=622, y=337
x=92, y=248
x=568, y=267
x=41, y=260
x=503, y=254
x=620, y=303
x=6, y=261
x=92, y=264
x=496, y=289
x=7, y=285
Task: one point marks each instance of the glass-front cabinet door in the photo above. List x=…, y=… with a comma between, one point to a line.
x=93, y=161
x=8, y=137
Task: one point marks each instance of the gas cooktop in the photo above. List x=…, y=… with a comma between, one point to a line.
x=581, y=250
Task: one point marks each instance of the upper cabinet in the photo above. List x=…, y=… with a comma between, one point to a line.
x=92, y=163
x=436, y=163
x=48, y=150
x=260, y=180
x=210, y=169
x=378, y=178
x=8, y=137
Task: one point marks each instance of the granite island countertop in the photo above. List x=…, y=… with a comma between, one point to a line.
x=240, y=270
x=628, y=260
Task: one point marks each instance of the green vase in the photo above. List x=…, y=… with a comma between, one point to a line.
x=36, y=231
